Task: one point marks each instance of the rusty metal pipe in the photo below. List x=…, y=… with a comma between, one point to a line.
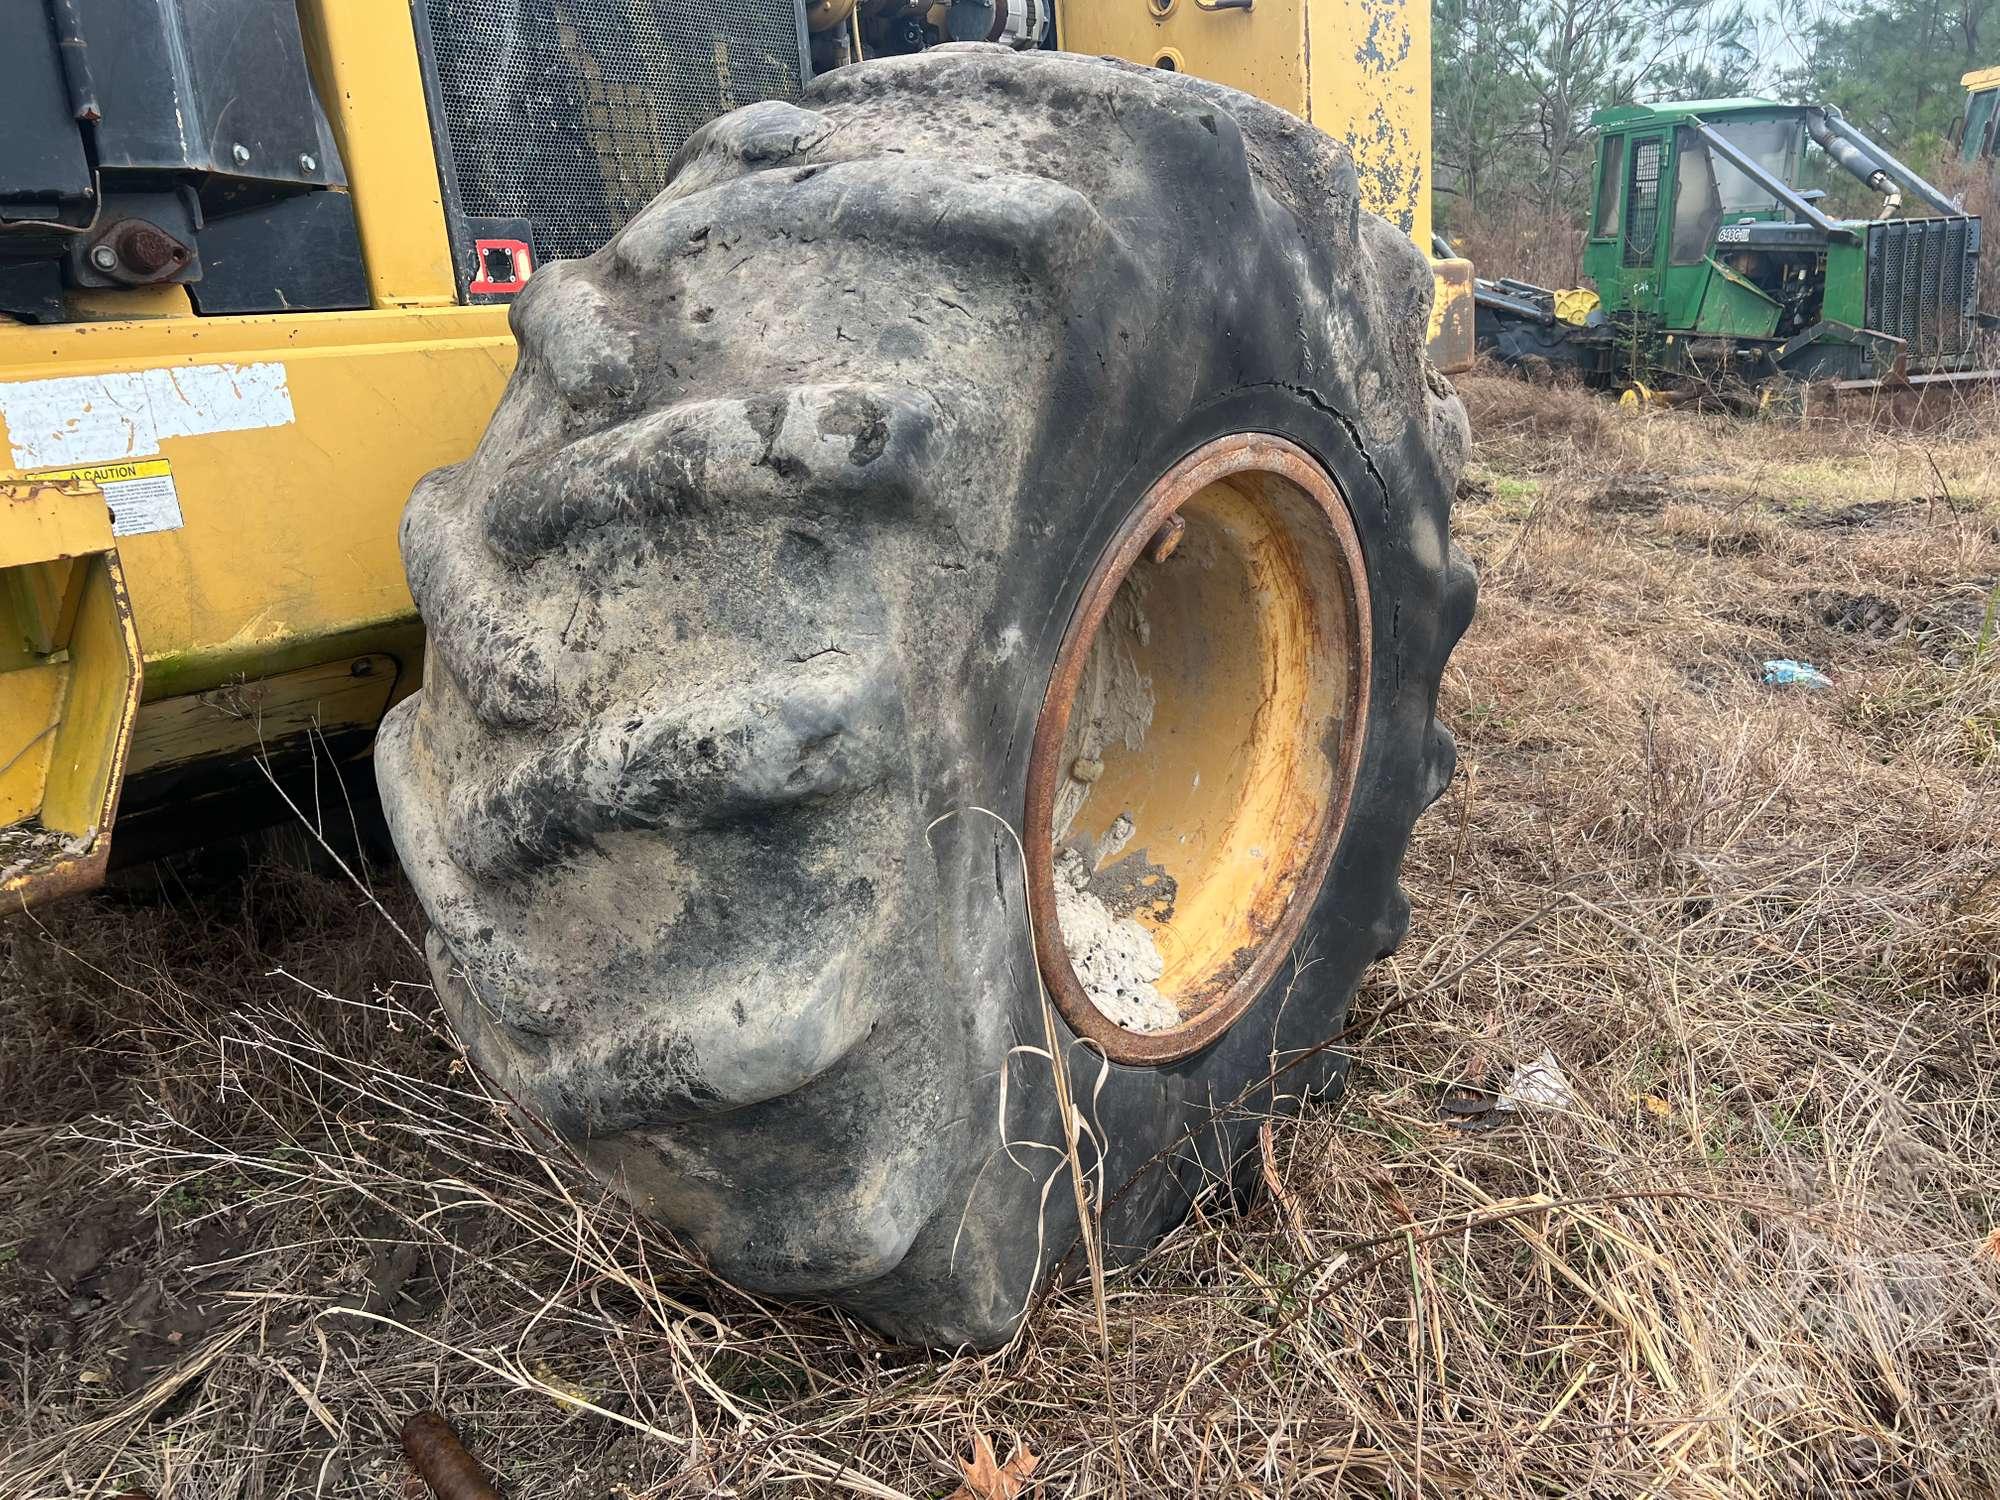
x=440, y=1459
x=1851, y=158
x=1833, y=126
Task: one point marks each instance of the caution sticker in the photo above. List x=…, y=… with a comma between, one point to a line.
x=141, y=493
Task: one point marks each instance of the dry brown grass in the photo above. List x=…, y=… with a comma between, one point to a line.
x=1515, y=238
x=1977, y=187
x=1754, y=1253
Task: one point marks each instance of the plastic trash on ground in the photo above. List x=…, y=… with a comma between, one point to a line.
x=1795, y=674
x=1538, y=1085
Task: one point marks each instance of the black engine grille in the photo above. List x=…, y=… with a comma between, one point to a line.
x=1923, y=285
x=566, y=113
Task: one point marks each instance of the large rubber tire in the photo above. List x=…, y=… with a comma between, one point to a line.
x=752, y=592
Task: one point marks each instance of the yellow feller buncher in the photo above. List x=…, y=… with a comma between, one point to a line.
x=890, y=569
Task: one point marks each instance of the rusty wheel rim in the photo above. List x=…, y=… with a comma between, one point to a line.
x=1246, y=552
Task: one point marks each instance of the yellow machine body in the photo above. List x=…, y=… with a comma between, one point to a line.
x=270, y=612
x=261, y=608
x=69, y=685
x=1358, y=69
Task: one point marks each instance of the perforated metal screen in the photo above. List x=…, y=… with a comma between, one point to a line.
x=1923, y=284
x=567, y=112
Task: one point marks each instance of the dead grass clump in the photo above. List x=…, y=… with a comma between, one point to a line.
x=1670, y=1163
x=1960, y=411
x=1525, y=427
x=1977, y=187
x=1516, y=238
x=1944, y=713
x=1721, y=532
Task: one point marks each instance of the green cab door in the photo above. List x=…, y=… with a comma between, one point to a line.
x=1642, y=240
x=1626, y=254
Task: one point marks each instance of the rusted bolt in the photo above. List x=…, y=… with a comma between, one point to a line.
x=1168, y=537
x=148, y=249
x=133, y=250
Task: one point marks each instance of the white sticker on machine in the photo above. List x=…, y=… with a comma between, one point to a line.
x=94, y=419
x=141, y=495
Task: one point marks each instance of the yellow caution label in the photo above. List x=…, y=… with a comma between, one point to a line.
x=140, y=492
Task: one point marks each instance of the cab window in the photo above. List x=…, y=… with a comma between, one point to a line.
x=1773, y=145
x=1642, y=200
x=1979, y=112
x=1610, y=178
x=1697, y=206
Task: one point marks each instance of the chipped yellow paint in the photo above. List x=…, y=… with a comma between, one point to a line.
x=286, y=564
x=1452, y=313
x=46, y=521
x=289, y=534
x=1368, y=81
x=167, y=301
x=1358, y=69
x=1244, y=633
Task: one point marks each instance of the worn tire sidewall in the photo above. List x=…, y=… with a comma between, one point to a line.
x=1171, y=1130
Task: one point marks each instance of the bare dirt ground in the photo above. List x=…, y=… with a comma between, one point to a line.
x=1671, y=1164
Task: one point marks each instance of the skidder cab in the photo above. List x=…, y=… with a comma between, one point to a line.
x=1715, y=264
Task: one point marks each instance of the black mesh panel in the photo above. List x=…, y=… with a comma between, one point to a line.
x=567, y=112
x=1923, y=285
x=1642, y=202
